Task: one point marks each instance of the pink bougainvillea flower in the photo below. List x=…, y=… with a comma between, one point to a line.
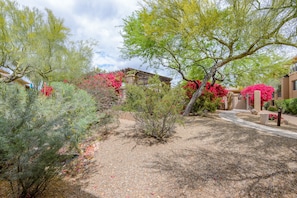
x=113, y=79
x=266, y=92
x=216, y=90
x=46, y=90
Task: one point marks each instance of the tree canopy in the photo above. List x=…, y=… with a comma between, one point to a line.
x=207, y=35
x=37, y=45
x=262, y=68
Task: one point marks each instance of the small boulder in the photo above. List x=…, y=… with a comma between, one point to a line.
x=285, y=122
x=254, y=112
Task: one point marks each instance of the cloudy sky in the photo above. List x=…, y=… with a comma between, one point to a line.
x=95, y=19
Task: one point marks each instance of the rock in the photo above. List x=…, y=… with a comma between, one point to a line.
x=205, y=113
x=264, y=118
x=285, y=122
x=254, y=112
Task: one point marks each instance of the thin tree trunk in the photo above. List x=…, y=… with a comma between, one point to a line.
x=198, y=92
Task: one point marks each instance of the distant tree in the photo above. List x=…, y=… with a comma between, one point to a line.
x=38, y=47
x=266, y=93
x=74, y=63
x=207, y=35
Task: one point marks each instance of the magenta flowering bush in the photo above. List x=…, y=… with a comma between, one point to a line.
x=266, y=93
x=273, y=116
x=210, y=99
x=104, y=87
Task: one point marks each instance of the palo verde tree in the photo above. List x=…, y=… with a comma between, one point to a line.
x=207, y=35
x=36, y=44
x=260, y=68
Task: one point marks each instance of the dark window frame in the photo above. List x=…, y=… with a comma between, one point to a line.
x=294, y=85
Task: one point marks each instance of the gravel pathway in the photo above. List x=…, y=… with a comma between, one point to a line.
x=231, y=116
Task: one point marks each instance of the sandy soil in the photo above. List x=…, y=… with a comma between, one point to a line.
x=207, y=157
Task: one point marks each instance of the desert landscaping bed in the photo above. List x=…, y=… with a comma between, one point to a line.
x=207, y=157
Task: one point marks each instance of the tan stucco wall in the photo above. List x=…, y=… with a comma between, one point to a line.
x=292, y=78
x=239, y=103
x=294, y=94
x=285, y=88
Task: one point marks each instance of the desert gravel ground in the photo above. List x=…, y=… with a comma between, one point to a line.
x=207, y=157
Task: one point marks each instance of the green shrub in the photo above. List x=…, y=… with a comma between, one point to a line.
x=293, y=106
x=157, y=107
x=33, y=131
x=284, y=104
x=266, y=105
x=272, y=108
x=105, y=89
x=279, y=103
x=206, y=103
x=209, y=100
x=288, y=106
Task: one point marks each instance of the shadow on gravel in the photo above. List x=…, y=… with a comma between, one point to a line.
x=57, y=188
x=248, y=175
x=240, y=162
x=67, y=189
x=228, y=135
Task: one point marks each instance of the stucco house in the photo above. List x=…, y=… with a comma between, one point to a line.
x=138, y=77
x=234, y=100
x=288, y=84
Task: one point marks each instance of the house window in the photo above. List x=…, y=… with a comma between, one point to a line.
x=295, y=85
x=279, y=91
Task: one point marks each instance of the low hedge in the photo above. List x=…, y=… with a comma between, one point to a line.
x=272, y=108
x=289, y=106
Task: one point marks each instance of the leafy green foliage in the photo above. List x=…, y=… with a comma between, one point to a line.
x=157, y=107
x=272, y=108
x=104, y=87
x=206, y=103
x=266, y=105
x=75, y=61
x=36, y=45
x=260, y=68
x=204, y=37
x=34, y=129
x=288, y=106
x=209, y=100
